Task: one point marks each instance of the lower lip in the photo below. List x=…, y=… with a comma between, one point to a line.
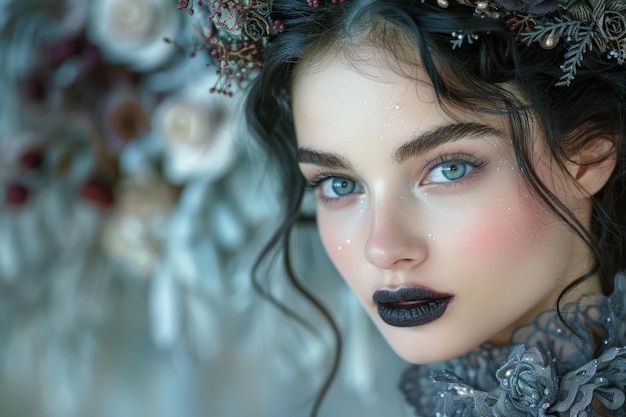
x=399, y=315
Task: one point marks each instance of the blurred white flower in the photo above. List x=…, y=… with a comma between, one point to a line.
x=131, y=32
x=125, y=117
x=134, y=233
x=198, y=131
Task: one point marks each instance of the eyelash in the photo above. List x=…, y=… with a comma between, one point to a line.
x=315, y=182
x=475, y=162
x=319, y=179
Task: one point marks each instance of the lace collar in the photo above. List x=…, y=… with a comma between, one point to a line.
x=544, y=371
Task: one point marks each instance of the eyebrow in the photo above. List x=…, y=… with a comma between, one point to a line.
x=322, y=159
x=443, y=134
x=419, y=145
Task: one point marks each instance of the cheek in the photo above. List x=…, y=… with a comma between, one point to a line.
x=342, y=241
x=507, y=228
x=501, y=220
x=337, y=245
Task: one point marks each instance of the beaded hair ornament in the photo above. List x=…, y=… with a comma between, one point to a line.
x=236, y=32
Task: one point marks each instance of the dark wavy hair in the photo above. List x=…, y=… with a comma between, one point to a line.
x=478, y=75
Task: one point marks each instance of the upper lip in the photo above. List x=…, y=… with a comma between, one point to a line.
x=405, y=294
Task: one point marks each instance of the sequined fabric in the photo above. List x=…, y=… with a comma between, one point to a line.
x=544, y=371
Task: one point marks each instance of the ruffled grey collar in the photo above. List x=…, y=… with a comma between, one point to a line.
x=545, y=371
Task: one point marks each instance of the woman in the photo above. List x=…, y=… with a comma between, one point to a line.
x=469, y=163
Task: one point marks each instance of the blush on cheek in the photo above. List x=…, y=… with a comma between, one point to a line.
x=510, y=227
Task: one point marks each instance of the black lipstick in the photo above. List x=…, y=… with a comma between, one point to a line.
x=410, y=306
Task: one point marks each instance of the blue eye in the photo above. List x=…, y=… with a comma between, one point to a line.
x=449, y=171
x=337, y=187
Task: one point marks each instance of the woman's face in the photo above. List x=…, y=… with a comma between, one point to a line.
x=425, y=215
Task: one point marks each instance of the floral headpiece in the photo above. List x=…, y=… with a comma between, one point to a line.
x=236, y=32
x=584, y=26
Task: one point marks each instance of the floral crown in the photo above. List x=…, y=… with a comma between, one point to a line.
x=236, y=32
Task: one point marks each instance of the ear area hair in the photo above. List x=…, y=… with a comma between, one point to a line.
x=592, y=165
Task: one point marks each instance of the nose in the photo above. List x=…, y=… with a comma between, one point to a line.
x=394, y=240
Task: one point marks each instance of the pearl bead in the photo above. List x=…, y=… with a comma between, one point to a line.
x=482, y=5
x=443, y=4
x=549, y=42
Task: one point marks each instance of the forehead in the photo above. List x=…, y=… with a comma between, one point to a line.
x=338, y=97
x=346, y=107
x=368, y=63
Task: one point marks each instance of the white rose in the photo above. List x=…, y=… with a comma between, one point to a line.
x=125, y=117
x=133, y=236
x=131, y=32
x=198, y=133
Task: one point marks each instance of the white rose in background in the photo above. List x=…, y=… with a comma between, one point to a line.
x=131, y=32
x=136, y=229
x=125, y=117
x=197, y=130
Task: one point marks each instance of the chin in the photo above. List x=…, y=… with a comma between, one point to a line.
x=421, y=346
x=426, y=356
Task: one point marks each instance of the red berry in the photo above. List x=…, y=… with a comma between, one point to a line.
x=15, y=194
x=34, y=88
x=31, y=159
x=63, y=50
x=97, y=192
